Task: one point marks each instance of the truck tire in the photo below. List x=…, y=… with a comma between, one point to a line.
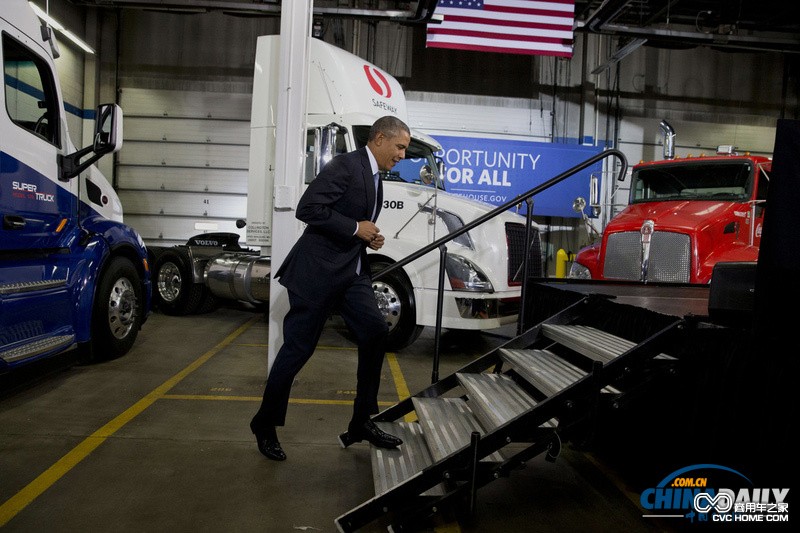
x=117, y=312
x=396, y=301
x=175, y=293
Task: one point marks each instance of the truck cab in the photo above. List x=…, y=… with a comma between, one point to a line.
x=71, y=274
x=684, y=215
x=346, y=95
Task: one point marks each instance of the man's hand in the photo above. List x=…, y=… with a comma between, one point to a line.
x=367, y=231
x=377, y=242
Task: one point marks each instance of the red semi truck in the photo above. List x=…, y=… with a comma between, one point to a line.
x=684, y=215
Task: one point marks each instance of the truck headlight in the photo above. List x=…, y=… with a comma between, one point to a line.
x=578, y=271
x=465, y=276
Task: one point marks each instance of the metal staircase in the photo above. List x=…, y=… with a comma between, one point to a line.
x=549, y=385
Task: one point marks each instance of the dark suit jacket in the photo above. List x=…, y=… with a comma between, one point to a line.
x=324, y=258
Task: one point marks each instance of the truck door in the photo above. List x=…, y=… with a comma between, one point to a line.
x=33, y=203
x=37, y=211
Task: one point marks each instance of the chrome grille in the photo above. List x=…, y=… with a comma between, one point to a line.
x=670, y=258
x=515, y=237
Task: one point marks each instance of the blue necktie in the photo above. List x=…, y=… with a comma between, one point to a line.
x=376, y=177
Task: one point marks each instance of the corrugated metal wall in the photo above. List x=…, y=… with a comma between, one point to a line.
x=184, y=167
x=184, y=82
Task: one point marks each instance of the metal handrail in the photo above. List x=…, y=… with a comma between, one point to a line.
x=525, y=197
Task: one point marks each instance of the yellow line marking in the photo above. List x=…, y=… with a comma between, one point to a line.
x=402, y=393
x=46, y=479
x=310, y=401
x=613, y=475
x=400, y=383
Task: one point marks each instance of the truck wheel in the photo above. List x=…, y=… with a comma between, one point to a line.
x=175, y=292
x=396, y=301
x=117, y=311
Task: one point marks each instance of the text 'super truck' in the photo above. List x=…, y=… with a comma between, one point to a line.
x=684, y=216
x=345, y=96
x=71, y=274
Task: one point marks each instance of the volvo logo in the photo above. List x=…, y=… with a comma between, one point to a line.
x=378, y=81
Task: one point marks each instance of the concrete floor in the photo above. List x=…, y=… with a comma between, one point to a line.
x=158, y=440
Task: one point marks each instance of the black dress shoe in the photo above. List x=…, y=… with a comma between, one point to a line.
x=269, y=446
x=371, y=433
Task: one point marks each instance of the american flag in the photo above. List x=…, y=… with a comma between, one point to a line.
x=538, y=27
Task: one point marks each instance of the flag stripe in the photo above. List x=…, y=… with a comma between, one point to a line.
x=515, y=27
x=507, y=50
x=530, y=22
x=454, y=15
x=510, y=26
x=520, y=38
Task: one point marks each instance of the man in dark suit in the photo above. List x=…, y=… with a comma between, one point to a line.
x=327, y=268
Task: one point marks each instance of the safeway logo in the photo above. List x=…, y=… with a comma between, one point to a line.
x=378, y=81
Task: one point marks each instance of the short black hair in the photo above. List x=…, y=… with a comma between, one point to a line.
x=389, y=125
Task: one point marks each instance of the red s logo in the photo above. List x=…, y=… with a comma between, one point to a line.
x=378, y=81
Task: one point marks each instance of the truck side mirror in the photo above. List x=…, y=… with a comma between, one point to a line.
x=426, y=174
x=107, y=139
x=594, y=194
x=107, y=129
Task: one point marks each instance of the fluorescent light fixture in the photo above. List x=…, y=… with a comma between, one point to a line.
x=620, y=54
x=60, y=28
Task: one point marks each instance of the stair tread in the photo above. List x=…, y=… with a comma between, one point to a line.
x=545, y=370
x=447, y=424
x=390, y=467
x=592, y=342
x=495, y=398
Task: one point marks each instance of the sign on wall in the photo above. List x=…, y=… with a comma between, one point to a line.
x=497, y=170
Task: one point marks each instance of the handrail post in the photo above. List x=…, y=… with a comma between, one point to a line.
x=439, y=305
x=525, y=261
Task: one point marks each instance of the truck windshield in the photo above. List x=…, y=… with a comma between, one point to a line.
x=418, y=155
x=701, y=180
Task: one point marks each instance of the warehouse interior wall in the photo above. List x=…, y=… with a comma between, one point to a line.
x=185, y=84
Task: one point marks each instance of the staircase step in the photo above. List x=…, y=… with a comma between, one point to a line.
x=392, y=467
x=591, y=342
x=447, y=424
x=545, y=370
x=495, y=398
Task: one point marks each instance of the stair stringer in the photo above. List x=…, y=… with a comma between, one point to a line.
x=463, y=472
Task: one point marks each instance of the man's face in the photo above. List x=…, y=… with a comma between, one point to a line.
x=389, y=150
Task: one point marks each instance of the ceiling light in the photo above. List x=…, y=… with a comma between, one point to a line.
x=60, y=28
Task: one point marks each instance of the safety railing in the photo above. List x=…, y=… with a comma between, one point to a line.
x=525, y=197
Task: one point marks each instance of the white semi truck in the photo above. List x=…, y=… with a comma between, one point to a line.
x=72, y=275
x=346, y=95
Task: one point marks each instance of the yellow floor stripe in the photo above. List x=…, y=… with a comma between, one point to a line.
x=307, y=401
x=402, y=393
x=400, y=383
x=45, y=480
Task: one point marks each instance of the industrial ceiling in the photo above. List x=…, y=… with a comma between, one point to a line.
x=746, y=25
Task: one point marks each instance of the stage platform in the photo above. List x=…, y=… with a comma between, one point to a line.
x=668, y=299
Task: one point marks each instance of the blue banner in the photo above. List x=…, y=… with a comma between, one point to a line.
x=497, y=170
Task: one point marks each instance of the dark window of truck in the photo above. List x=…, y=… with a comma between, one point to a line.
x=30, y=93
x=407, y=170
x=710, y=180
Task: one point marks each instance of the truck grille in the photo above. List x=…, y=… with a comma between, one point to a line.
x=515, y=237
x=670, y=259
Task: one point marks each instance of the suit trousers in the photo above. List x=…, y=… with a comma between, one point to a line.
x=302, y=328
